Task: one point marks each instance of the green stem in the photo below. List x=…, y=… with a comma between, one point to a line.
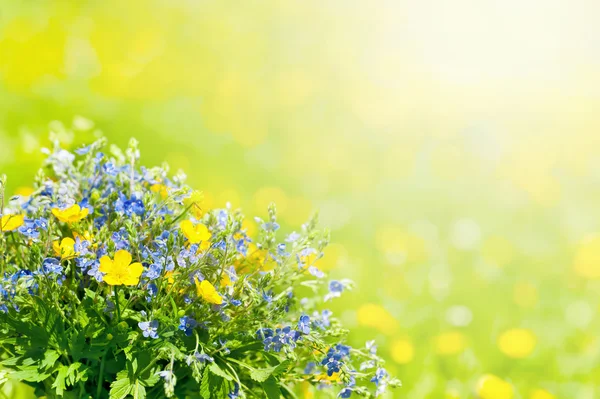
x=101, y=375
x=117, y=306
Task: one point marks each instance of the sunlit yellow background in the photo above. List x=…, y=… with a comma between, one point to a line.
x=451, y=146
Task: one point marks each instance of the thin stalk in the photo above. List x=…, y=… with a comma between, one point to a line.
x=101, y=375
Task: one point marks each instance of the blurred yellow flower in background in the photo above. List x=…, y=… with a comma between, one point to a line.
x=541, y=394
x=493, y=387
x=450, y=343
x=517, y=343
x=587, y=257
x=376, y=316
x=402, y=351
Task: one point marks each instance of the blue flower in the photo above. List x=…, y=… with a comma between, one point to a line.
x=203, y=358
x=335, y=358
x=95, y=272
x=271, y=226
x=335, y=290
x=153, y=272
x=130, y=206
x=293, y=237
x=110, y=169
x=304, y=324
x=310, y=368
x=235, y=393
x=120, y=239
x=52, y=265
x=187, y=325
x=316, y=272
x=149, y=328
x=276, y=340
x=31, y=227
x=166, y=374
x=83, y=150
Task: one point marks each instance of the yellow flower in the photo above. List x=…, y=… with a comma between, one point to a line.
x=161, y=189
x=450, y=343
x=195, y=202
x=587, y=258
x=326, y=379
x=517, y=343
x=195, y=234
x=66, y=248
x=492, y=387
x=208, y=292
x=260, y=258
x=402, y=351
x=541, y=394
x=71, y=214
x=86, y=236
x=120, y=271
x=376, y=316
x=11, y=222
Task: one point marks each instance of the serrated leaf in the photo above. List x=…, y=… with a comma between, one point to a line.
x=205, y=384
x=50, y=358
x=138, y=390
x=59, y=383
x=120, y=387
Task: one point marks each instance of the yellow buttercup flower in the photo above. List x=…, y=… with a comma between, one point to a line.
x=517, y=343
x=541, y=394
x=207, y=291
x=71, y=214
x=492, y=387
x=65, y=249
x=195, y=234
x=11, y=222
x=120, y=271
x=450, y=343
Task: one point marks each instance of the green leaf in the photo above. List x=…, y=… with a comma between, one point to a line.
x=59, y=383
x=50, y=358
x=261, y=375
x=121, y=387
x=205, y=384
x=138, y=390
x=214, y=367
x=271, y=388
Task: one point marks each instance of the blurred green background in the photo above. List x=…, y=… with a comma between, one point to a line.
x=451, y=146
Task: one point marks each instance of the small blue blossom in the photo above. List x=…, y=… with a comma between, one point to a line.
x=293, y=237
x=335, y=290
x=149, y=328
x=304, y=324
x=52, y=265
x=187, y=325
x=270, y=226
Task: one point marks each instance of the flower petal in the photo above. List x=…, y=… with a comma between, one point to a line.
x=122, y=258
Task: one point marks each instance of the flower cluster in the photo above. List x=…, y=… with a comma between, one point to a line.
x=115, y=278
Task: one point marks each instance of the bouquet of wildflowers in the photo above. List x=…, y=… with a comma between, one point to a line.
x=116, y=283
